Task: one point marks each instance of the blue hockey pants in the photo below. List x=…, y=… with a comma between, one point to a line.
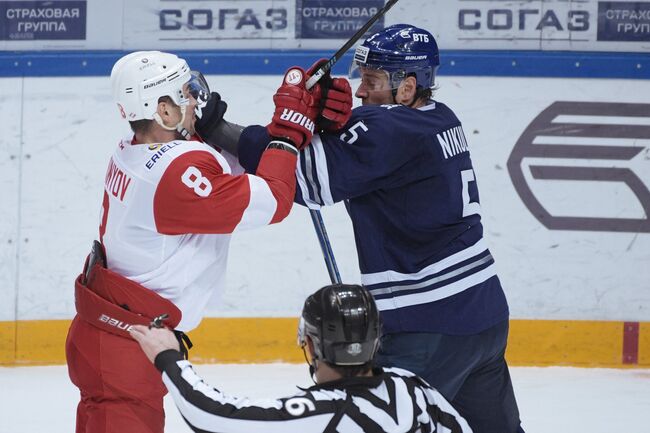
x=469, y=370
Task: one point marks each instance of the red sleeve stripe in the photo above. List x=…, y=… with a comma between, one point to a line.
x=194, y=195
x=278, y=168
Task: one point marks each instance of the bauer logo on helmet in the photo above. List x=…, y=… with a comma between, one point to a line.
x=162, y=80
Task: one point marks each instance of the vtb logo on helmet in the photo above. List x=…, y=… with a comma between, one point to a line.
x=400, y=50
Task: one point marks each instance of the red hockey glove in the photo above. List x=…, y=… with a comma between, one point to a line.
x=334, y=99
x=295, y=110
x=337, y=104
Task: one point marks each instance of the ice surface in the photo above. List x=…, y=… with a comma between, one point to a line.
x=553, y=399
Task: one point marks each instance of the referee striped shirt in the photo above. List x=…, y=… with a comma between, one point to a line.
x=392, y=400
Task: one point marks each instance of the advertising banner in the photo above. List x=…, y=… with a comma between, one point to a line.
x=549, y=25
x=521, y=24
x=539, y=25
x=335, y=19
x=43, y=20
x=229, y=24
x=624, y=21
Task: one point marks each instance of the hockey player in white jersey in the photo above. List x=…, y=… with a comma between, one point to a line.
x=169, y=206
x=339, y=331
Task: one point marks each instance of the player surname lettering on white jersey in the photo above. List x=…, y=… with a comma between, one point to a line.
x=116, y=181
x=167, y=217
x=393, y=400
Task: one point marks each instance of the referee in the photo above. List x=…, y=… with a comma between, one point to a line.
x=339, y=332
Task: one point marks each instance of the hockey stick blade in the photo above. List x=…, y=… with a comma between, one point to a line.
x=326, y=67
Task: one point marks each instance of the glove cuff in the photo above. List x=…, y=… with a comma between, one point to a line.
x=284, y=145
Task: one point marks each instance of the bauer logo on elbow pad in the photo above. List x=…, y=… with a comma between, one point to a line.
x=293, y=77
x=297, y=118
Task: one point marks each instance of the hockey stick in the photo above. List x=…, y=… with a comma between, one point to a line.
x=316, y=217
x=326, y=248
x=326, y=67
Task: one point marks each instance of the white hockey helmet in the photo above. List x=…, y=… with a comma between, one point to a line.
x=139, y=79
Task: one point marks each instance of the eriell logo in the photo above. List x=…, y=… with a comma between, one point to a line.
x=114, y=322
x=586, y=166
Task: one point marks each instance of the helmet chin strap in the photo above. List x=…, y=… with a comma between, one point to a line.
x=312, y=369
x=178, y=127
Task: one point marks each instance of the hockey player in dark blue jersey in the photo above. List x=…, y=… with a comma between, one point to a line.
x=402, y=165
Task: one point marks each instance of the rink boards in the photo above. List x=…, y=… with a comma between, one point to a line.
x=262, y=340
x=565, y=215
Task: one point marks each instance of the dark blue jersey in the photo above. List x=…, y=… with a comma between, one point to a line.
x=407, y=180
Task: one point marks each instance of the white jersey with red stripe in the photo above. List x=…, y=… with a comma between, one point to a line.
x=168, y=212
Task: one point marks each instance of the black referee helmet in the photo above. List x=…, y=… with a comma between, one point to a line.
x=343, y=323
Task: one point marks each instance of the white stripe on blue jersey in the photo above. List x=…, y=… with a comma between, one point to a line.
x=431, y=281
x=315, y=191
x=407, y=300
x=320, y=159
x=381, y=277
x=400, y=287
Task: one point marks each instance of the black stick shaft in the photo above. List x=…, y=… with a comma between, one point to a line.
x=325, y=246
x=316, y=217
x=326, y=67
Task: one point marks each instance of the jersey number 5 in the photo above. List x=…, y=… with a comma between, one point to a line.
x=352, y=130
x=469, y=207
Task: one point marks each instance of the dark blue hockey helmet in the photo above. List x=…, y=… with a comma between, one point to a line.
x=401, y=50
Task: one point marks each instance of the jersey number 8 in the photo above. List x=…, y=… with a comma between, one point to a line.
x=194, y=179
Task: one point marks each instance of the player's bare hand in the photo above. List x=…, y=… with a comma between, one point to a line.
x=154, y=340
